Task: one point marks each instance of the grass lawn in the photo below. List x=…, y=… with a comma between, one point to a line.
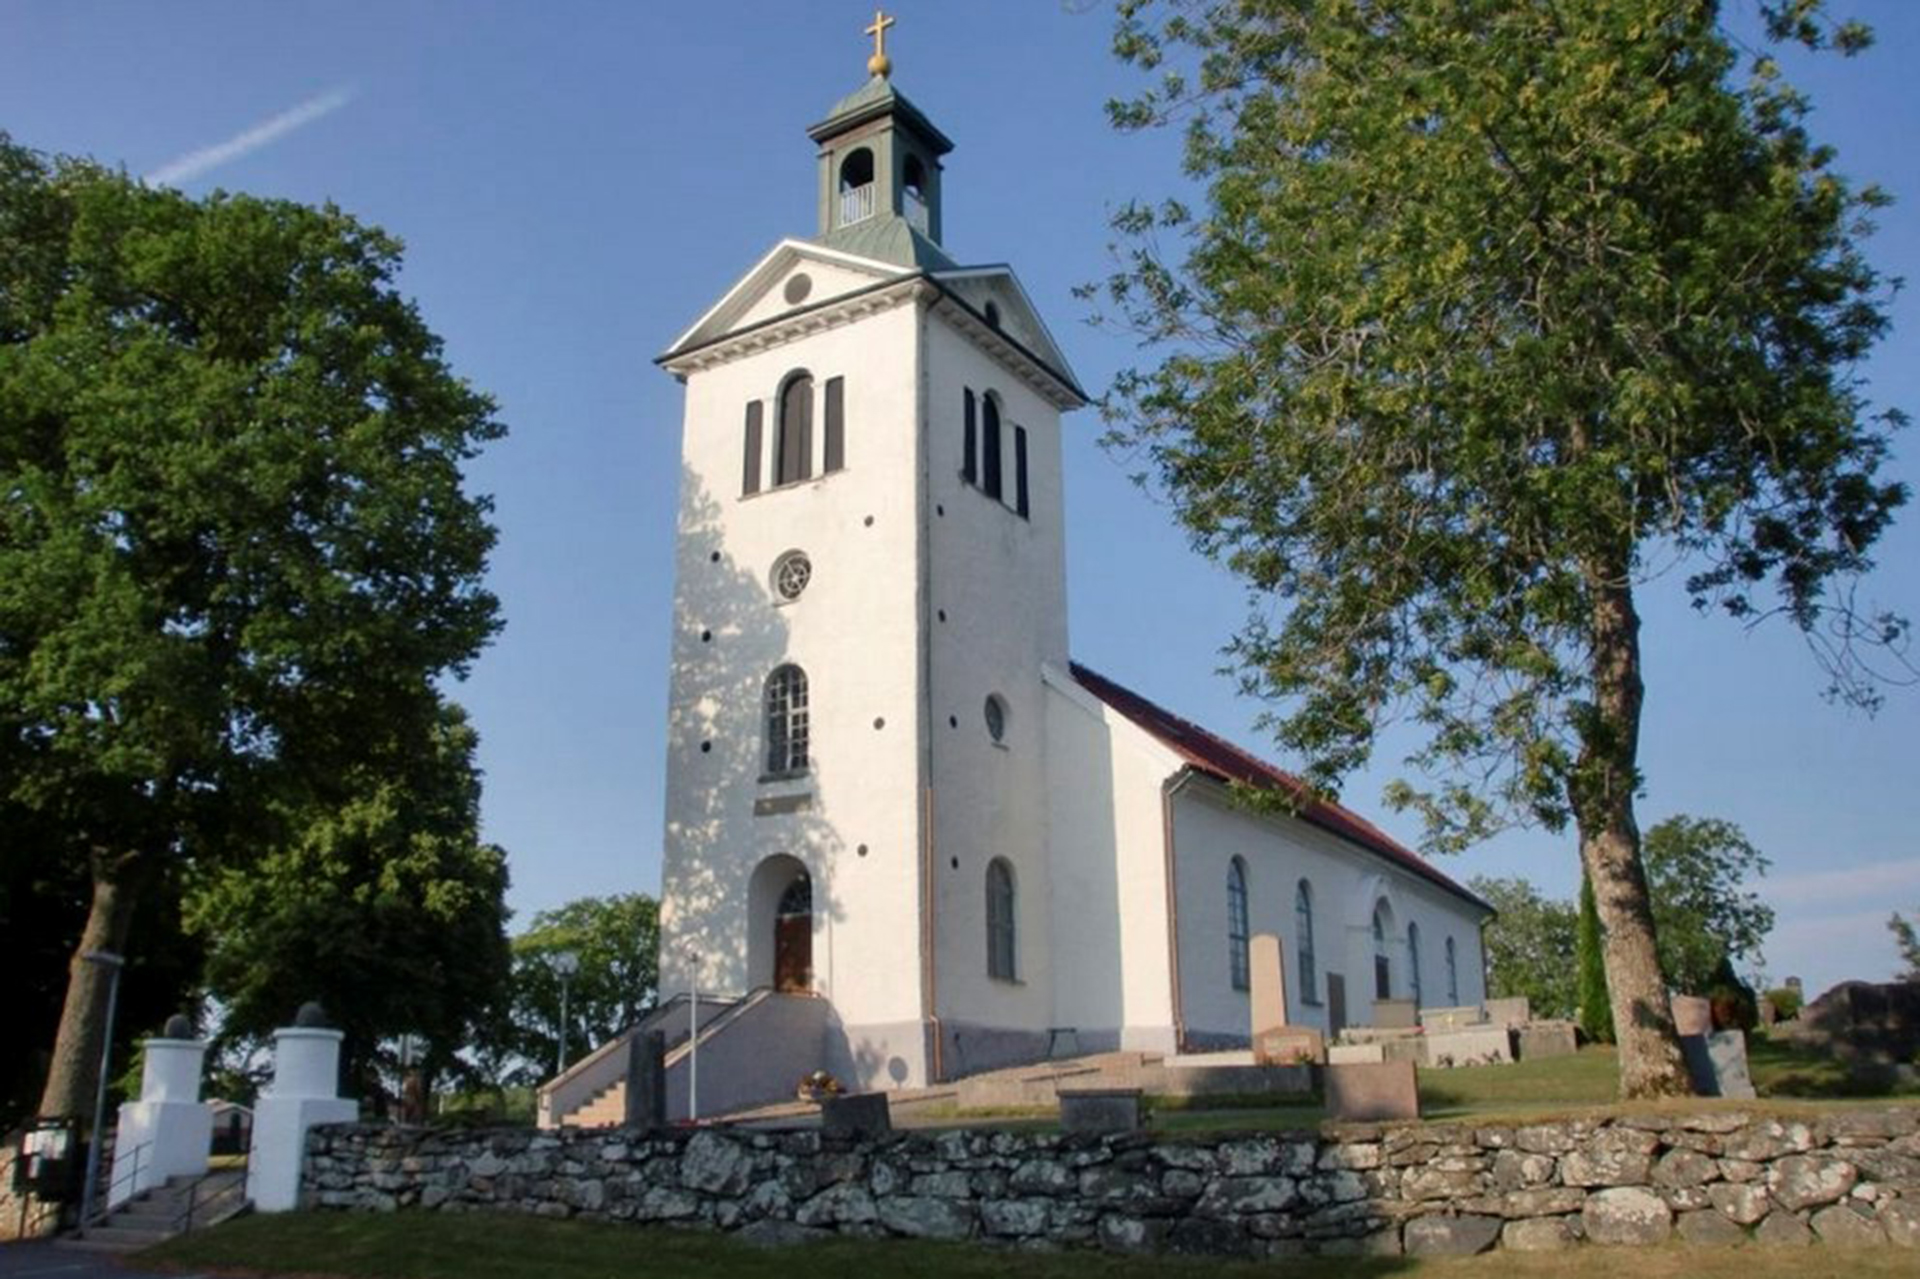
x=499, y=1246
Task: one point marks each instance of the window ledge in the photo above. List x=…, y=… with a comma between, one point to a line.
x=791, y=485
x=791, y=775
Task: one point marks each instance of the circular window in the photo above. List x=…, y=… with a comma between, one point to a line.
x=996, y=713
x=798, y=286
x=791, y=573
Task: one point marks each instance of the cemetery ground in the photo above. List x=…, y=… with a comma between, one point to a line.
x=417, y=1245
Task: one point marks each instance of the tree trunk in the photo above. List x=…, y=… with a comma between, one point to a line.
x=74, y=1074
x=1650, y=1061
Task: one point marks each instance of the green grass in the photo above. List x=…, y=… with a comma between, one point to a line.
x=503, y=1246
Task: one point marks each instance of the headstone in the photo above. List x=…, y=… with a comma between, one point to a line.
x=1718, y=1064
x=1539, y=1039
x=859, y=1114
x=1336, y=1003
x=1288, y=1046
x=1692, y=1015
x=1367, y=1093
x=1100, y=1109
x=169, y=1131
x=1510, y=1012
x=1473, y=1046
x=647, y=1080
x=1395, y=1014
x=1409, y=1048
x=1355, y=1054
x=1267, y=1002
x=1452, y=1018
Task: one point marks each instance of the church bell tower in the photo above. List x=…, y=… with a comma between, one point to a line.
x=869, y=582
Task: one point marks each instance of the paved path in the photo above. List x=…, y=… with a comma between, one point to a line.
x=46, y=1261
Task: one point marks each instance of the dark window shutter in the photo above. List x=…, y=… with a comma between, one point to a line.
x=1020, y=470
x=750, y=473
x=796, y=432
x=836, y=425
x=990, y=449
x=969, y=469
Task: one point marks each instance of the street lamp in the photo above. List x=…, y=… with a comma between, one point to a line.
x=113, y=964
x=566, y=964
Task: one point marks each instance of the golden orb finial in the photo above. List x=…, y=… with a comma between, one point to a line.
x=879, y=64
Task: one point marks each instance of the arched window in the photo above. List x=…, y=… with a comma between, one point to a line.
x=1413, y=961
x=793, y=457
x=969, y=449
x=990, y=446
x=787, y=721
x=1237, y=931
x=856, y=187
x=1000, y=933
x=1382, y=966
x=1453, y=975
x=1303, y=942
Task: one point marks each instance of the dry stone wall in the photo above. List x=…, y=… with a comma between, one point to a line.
x=1848, y=1178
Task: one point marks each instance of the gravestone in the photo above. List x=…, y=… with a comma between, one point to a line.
x=1471, y=1046
x=647, y=1080
x=1395, y=1014
x=1355, y=1054
x=1539, y=1039
x=1509, y=1012
x=858, y=1115
x=1717, y=1063
x=1368, y=1093
x=1275, y=1043
x=1452, y=1018
x=1692, y=1015
x=1100, y=1109
x=1336, y=1003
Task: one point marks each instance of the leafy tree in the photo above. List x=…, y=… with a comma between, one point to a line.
x=384, y=905
x=1495, y=311
x=1529, y=945
x=1908, y=941
x=616, y=940
x=233, y=538
x=1596, y=1001
x=1697, y=869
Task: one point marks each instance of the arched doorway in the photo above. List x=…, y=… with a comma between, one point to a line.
x=793, y=936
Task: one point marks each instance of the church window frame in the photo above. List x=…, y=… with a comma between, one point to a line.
x=1413, y=963
x=753, y=448
x=992, y=483
x=788, y=723
x=833, y=411
x=792, y=574
x=1239, y=928
x=1305, y=960
x=969, y=438
x=1003, y=952
x=1021, y=506
x=1453, y=974
x=858, y=186
x=1382, y=962
x=793, y=430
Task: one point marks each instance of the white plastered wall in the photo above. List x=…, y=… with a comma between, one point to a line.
x=1346, y=881
x=854, y=631
x=1106, y=840
x=997, y=613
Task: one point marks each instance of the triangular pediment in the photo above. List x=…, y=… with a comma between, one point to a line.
x=995, y=311
x=796, y=276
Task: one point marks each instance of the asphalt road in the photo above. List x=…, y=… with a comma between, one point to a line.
x=46, y=1261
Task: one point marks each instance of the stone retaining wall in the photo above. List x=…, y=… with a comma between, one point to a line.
x=1845, y=1178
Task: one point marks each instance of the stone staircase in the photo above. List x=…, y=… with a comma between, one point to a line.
x=182, y=1204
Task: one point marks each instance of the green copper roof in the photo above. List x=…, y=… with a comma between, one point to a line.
x=888, y=239
x=875, y=98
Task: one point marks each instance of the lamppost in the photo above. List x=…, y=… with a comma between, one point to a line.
x=693, y=1034
x=566, y=964
x=113, y=964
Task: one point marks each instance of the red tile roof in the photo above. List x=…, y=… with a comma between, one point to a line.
x=1219, y=758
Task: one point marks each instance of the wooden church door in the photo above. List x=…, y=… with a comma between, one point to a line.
x=793, y=938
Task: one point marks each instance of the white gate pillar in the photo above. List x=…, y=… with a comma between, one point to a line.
x=169, y=1131
x=304, y=1092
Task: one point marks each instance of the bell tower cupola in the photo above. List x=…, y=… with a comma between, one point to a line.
x=879, y=166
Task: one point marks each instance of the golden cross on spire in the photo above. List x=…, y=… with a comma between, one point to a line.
x=879, y=64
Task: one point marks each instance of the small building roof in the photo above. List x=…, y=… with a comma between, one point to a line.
x=1218, y=758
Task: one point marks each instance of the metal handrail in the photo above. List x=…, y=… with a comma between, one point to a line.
x=90, y=1213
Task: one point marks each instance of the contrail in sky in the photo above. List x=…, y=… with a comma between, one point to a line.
x=195, y=163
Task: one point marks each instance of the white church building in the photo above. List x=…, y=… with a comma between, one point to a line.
x=907, y=837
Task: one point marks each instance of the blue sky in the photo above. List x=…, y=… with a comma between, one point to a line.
x=577, y=181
